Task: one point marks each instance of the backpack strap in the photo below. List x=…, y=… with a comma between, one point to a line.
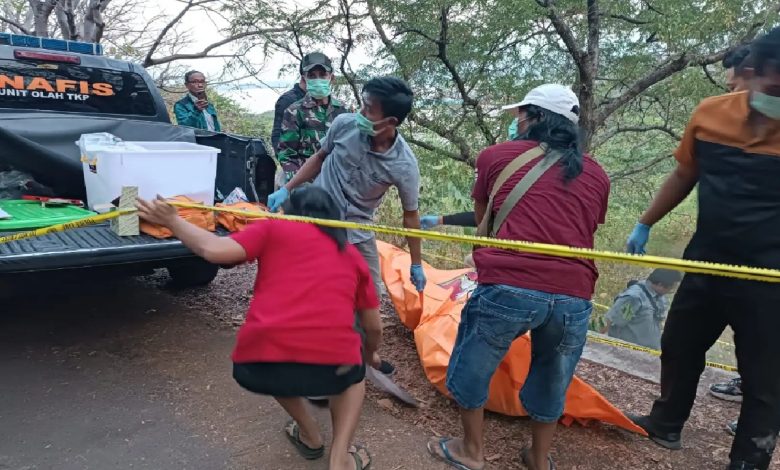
x=650, y=297
x=520, y=161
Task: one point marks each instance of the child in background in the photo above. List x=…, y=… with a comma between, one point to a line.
x=298, y=339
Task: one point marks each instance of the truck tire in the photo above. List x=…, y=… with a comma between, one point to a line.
x=192, y=273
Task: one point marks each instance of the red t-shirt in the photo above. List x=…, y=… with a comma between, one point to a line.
x=305, y=297
x=552, y=211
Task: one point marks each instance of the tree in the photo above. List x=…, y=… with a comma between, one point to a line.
x=75, y=19
x=630, y=62
x=143, y=32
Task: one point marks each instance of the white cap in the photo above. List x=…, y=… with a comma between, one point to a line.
x=556, y=98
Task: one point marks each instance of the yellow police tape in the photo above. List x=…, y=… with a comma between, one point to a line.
x=654, y=352
x=700, y=267
x=95, y=219
x=688, y=266
x=605, y=307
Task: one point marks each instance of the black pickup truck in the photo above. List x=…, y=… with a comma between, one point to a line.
x=51, y=92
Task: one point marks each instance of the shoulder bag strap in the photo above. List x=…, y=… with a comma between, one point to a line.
x=513, y=166
x=522, y=187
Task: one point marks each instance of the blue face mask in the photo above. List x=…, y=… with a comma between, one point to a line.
x=512, y=132
x=318, y=88
x=365, y=125
x=767, y=105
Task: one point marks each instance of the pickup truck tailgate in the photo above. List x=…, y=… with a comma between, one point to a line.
x=85, y=247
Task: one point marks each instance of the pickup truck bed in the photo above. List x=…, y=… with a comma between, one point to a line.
x=95, y=246
x=38, y=135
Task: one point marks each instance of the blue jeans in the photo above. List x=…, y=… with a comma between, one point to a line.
x=496, y=315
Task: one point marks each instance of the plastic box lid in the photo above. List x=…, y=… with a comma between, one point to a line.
x=31, y=214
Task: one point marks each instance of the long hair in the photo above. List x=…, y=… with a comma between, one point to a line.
x=312, y=201
x=559, y=133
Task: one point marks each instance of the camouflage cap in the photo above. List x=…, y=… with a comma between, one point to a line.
x=315, y=59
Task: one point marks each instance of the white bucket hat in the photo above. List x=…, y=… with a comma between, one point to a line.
x=556, y=98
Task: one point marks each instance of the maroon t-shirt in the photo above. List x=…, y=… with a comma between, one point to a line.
x=552, y=211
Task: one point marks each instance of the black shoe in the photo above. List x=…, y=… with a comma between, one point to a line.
x=729, y=391
x=386, y=368
x=669, y=441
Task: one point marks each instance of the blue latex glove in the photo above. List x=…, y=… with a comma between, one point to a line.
x=418, y=277
x=277, y=198
x=638, y=239
x=429, y=221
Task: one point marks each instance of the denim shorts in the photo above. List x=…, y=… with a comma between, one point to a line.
x=496, y=315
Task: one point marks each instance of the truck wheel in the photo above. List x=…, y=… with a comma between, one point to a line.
x=192, y=273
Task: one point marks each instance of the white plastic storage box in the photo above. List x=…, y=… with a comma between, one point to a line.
x=165, y=168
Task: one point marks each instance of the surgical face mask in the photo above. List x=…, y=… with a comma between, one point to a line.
x=512, y=130
x=318, y=88
x=365, y=125
x=767, y=105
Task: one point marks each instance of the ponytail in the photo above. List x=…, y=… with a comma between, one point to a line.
x=558, y=133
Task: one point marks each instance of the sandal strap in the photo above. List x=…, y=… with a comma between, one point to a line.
x=358, y=459
x=452, y=461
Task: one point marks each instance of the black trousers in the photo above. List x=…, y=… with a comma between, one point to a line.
x=702, y=308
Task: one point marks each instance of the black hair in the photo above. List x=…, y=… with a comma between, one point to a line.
x=189, y=75
x=312, y=201
x=393, y=94
x=735, y=59
x=665, y=277
x=559, y=133
x=765, y=52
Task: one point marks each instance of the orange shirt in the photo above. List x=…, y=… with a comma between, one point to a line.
x=739, y=183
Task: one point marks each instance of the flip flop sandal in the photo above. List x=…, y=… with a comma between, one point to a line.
x=360, y=464
x=525, y=455
x=447, y=457
x=293, y=433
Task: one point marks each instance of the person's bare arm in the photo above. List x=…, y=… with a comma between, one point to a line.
x=412, y=220
x=310, y=169
x=372, y=325
x=675, y=189
x=214, y=249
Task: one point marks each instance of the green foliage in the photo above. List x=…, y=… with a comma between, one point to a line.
x=237, y=120
x=491, y=52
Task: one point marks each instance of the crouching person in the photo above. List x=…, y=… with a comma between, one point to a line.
x=298, y=339
x=550, y=193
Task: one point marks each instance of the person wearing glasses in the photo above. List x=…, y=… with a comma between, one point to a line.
x=194, y=110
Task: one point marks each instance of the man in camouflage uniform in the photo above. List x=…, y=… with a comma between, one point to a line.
x=307, y=121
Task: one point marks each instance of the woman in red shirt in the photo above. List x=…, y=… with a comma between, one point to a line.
x=299, y=338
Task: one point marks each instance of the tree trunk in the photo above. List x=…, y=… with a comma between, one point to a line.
x=587, y=114
x=587, y=80
x=41, y=12
x=94, y=25
x=66, y=18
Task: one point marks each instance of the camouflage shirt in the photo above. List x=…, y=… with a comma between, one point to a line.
x=303, y=126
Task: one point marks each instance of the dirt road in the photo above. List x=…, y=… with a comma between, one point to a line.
x=124, y=375
x=121, y=376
